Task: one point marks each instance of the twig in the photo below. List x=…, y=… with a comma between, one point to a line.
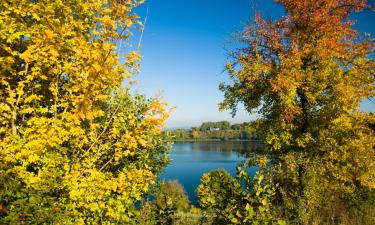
x=15, y=106
x=143, y=29
x=104, y=130
x=105, y=165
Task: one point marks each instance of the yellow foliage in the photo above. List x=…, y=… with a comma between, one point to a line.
x=75, y=148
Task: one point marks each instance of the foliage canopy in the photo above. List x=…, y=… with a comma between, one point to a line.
x=306, y=74
x=75, y=148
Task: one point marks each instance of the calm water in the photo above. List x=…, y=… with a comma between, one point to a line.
x=191, y=160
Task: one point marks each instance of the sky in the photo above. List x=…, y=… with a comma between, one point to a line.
x=184, y=53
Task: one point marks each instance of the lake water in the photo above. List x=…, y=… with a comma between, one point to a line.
x=190, y=160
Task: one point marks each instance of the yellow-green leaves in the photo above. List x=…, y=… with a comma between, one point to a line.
x=75, y=148
x=235, y=203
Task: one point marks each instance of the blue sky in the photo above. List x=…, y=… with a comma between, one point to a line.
x=184, y=54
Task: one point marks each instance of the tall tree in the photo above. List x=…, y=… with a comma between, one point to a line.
x=306, y=74
x=75, y=148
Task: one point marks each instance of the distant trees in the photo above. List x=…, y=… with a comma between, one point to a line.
x=216, y=130
x=306, y=74
x=222, y=125
x=75, y=147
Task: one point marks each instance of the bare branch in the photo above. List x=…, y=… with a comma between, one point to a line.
x=143, y=29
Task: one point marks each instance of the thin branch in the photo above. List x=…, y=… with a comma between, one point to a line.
x=15, y=106
x=56, y=97
x=19, y=95
x=143, y=29
x=110, y=51
x=104, y=130
x=106, y=164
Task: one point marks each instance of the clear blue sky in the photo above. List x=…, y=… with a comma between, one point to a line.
x=184, y=54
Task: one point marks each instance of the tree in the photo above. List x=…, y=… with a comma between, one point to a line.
x=170, y=199
x=222, y=193
x=306, y=74
x=169, y=203
x=75, y=148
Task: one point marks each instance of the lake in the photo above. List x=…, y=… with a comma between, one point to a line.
x=190, y=160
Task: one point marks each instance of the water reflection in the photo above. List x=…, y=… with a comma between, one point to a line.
x=241, y=147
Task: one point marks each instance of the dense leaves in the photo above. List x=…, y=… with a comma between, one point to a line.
x=235, y=203
x=169, y=203
x=306, y=74
x=74, y=147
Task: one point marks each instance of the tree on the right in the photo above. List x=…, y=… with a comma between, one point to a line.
x=306, y=75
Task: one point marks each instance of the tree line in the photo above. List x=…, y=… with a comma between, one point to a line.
x=222, y=130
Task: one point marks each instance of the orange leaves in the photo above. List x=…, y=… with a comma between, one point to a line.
x=132, y=57
x=279, y=83
x=306, y=74
x=49, y=34
x=156, y=114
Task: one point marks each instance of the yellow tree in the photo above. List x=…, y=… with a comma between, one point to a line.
x=306, y=74
x=74, y=147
